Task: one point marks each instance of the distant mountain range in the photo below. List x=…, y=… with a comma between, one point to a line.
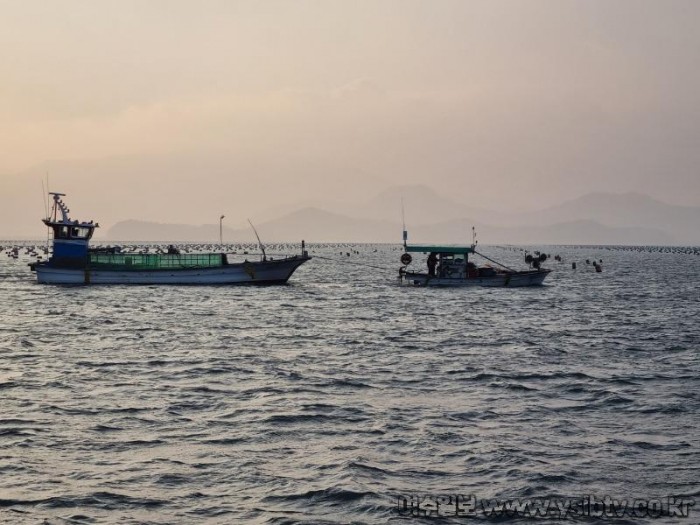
x=597, y=218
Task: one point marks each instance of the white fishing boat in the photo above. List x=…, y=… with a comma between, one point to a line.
x=74, y=262
x=450, y=266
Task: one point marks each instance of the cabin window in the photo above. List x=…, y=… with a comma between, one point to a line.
x=81, y=233
x=72, y=232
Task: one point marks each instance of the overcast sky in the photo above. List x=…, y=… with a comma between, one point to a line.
x=172, y=109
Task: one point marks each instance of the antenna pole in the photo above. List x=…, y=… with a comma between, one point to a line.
x=48, y=192
x=403, y=221
x=43, y=199
x=221, y=230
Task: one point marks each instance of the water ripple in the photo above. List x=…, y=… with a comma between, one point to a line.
x=320, y=401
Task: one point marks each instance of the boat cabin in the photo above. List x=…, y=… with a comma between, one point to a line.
x=71, y=239
x=447, y=261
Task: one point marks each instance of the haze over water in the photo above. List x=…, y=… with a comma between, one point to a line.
x=324, y=400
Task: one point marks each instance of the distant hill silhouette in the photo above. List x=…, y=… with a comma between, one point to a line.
x=638, y=213
x=625, y=210
x=422, y=205
x=592, y=219
x=311, y=224
x=154, y=231
x=573, y=232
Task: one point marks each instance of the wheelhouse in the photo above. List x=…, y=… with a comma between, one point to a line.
x=71, y=239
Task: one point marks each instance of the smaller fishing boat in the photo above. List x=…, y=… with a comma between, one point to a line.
x=450, y=266
x=74, y=262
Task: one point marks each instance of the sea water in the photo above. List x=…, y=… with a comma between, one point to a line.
x=343, y=397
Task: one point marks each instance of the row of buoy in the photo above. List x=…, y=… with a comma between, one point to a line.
x=597, y=265
x=15, y=252
x=676, y=250
x=189, y=247
x=539, y=258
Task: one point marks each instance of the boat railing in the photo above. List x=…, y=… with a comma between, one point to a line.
x=155, y=261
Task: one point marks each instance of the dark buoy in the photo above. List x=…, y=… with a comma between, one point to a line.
x=573, y=265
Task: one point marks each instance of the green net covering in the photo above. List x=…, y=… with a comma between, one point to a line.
x=155, y=261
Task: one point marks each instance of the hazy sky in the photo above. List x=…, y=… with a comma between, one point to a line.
x=168, y=110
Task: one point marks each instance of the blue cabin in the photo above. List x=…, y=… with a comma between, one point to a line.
x=71, y=239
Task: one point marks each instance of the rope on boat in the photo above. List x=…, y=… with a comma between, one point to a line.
x=334, y=259
x=495, y=262
x=353, y=262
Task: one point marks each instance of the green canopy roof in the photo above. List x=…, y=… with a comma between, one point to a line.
x=440, y=249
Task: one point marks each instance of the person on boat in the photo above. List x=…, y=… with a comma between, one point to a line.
x=432, y=262
x=172, y=250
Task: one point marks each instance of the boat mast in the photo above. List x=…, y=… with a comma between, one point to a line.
x=403, y=221
x=262, y=246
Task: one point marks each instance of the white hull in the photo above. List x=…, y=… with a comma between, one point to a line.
x=512, y=280
x=269, y=272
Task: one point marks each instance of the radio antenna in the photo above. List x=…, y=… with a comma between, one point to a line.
x=43, y=199
x=403, y=221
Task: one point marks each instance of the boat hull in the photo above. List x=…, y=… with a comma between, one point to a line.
x=267, y=272
x=510, y=280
